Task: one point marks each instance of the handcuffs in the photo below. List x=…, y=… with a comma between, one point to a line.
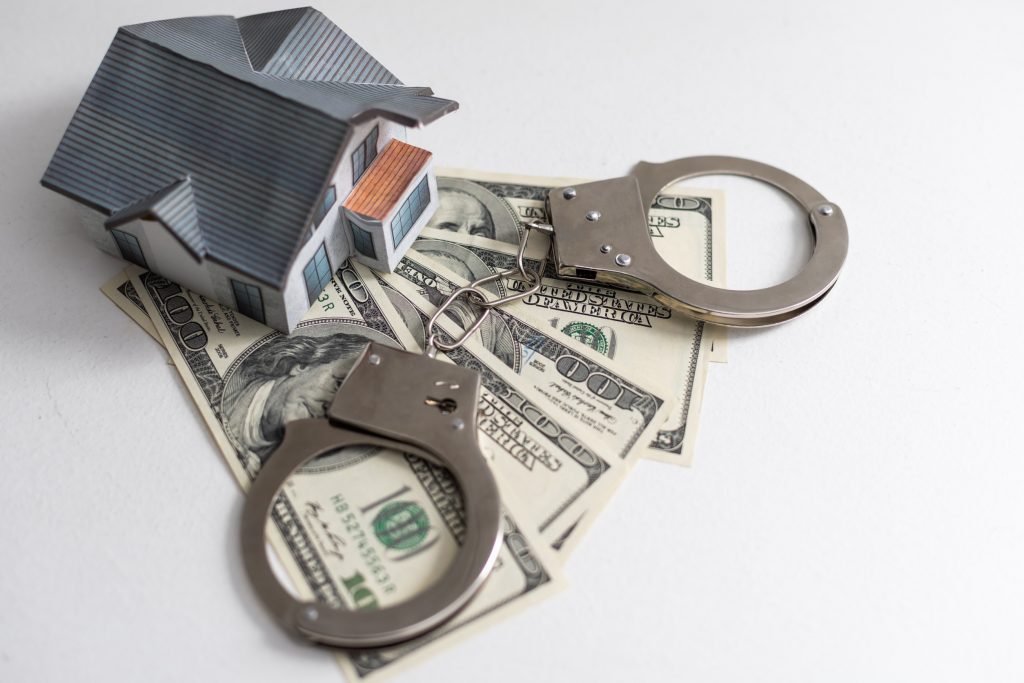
x=417, y=404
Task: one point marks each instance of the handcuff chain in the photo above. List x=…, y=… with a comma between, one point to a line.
x=477, y=297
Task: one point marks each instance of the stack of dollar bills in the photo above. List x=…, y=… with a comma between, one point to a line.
x=579, y=381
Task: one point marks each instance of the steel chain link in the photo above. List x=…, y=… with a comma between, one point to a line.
x=477, y=297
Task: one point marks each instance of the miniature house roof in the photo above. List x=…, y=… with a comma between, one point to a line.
x=386, y=180
x=227, y=130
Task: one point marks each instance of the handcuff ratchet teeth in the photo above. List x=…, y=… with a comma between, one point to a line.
x=415, y=403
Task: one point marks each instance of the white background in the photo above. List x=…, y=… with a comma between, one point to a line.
x=856, y=508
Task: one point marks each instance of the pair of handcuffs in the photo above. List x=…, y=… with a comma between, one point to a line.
x=415, y=403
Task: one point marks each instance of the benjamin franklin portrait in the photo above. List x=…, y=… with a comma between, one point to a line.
x=468, y=208
x=288, y=378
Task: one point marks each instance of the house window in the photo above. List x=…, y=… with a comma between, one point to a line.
x=411, y=210
x=129, y=246
x=317, y=274
x=321, y=211
x=248, y=300
x=363, y=241
x=364, y=155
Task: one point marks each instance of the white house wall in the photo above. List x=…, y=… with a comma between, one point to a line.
x=166, y=255
x=380, y=231
x=332, y=231
x=389, y=130
x=275, y=314
x=393, y=255
x=93, y=222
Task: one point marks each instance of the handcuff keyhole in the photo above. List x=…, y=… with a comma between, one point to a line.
x=445, y=405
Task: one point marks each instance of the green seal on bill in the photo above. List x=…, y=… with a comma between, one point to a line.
x=589, y=334
x=401, y=525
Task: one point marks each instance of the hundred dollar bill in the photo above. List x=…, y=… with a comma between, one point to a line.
x=122, y=294
x=360, y=528
x=608, y=413
x=477, y=209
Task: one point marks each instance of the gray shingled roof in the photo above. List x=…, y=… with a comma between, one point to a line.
x=177, y=125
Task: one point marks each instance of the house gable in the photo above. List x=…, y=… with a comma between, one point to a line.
x=174, y=206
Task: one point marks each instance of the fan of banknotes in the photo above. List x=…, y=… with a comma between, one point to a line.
x=579, y=382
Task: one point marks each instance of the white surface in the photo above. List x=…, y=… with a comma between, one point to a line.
x=855, y=511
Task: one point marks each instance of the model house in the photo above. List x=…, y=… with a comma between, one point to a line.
x=246, y=159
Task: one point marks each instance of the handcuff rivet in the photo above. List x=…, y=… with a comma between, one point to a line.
x=458, y=423
x=623, y=260
x=825, y=210
x=374, y=359
x=593, y=215
x=606, y=248
x=569, y=192
x=311, y=613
